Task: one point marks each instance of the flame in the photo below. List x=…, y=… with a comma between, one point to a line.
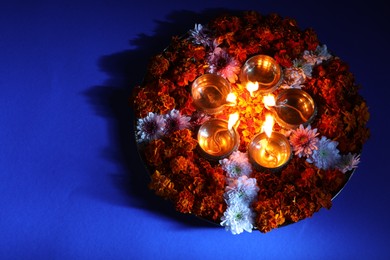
x=252, y=87
x=269, y=101
x=231, y=98
x=268, y=125
x=233, y=118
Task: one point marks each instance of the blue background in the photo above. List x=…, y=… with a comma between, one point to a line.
x=71, y=183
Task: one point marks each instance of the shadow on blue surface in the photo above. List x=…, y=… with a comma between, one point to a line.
x=111, y=101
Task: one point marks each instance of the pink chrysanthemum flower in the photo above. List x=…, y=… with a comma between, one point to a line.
x=348, y=162
x=150, y=127
x=304, y=140
x=175, y=121
x=198, y=118
x=221, y=63
x=326, y=156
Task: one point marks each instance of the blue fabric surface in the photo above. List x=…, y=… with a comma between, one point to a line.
x=71, y=183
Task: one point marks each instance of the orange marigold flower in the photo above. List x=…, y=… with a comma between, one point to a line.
x=162, y=185
x=209, y=207
x=182, y=141
x=361, y=113
x=349, y=120
x=329, y=125
x=158, y=65
x=165, y=103
x=179, y=165
x=154, y=152
x=185, y=201
x=269, y=214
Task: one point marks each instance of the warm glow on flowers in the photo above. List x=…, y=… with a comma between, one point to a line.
x=230, y=191
x=293, y=78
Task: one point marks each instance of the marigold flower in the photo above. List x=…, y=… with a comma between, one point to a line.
x=185, y=201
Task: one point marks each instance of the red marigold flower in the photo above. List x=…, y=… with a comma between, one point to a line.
x=283, y=58
x=310, y=39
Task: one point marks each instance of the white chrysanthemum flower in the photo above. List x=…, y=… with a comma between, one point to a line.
x=241, y=190
x=348, y=162
x=306, y=68
x=322, y=52
x=175, y=121
x=150, y=127
x=200, y=35
x=326, y=156
x=293, y=78
x=238, y=218
x=237, y=165
x=318, y=56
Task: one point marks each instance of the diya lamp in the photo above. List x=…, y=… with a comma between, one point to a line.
x=210, y=93
x=218, y=138
x=261, y=74
x=292, y=107
x=268, y=149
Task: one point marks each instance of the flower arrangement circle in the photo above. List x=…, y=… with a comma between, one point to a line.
x=230, y=191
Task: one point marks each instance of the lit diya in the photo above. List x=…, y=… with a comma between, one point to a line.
x=210, y=93
x=269, y=150
x=218, y=138
x=261, y=74
x=292, y=108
